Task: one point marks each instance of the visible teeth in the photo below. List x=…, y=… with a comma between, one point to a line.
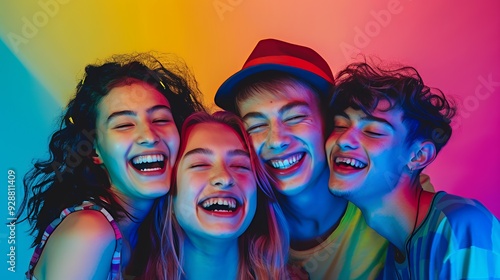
x=227, y=201
x=148, y=159
x=350, y=161
x=287, y=163
x=150, y=169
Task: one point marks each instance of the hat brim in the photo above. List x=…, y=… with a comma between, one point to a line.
x=225, y=95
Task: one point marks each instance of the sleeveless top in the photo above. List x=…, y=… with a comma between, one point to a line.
x=86, y=205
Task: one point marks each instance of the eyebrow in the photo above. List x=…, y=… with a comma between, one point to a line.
x=132, y=113
x=204, y=151
x=369, y=118
x=283, y=109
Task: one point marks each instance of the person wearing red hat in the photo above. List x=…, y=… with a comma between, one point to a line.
x=282, y=94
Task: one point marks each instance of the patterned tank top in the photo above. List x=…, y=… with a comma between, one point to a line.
x=114, y=273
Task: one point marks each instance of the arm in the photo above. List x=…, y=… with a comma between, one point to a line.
x=81, y=247
x=471, y=263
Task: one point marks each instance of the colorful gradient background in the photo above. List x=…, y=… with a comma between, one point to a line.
x=46, y=44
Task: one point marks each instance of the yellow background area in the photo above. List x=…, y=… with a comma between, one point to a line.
x=55, y=39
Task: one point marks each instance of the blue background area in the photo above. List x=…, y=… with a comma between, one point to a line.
x=25, y=135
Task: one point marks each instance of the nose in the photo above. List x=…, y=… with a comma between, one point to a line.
x=277, y=137
x=222, y=178
x=348, y=139
x=147, y=135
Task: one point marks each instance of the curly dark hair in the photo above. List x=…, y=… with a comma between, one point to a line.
x=427, y=113
x=70, y=176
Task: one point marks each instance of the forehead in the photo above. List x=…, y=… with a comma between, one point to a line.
x=213, y=136
x=381, y=114
x=136, y=97
x=273, y=99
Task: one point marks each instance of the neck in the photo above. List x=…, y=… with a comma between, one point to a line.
x=137, y=208
x=397, y=214
x=138, y=211
x=312, y=214
x=210, y=260
x=129, y=226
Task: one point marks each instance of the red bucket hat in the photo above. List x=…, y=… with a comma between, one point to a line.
x=271, y=54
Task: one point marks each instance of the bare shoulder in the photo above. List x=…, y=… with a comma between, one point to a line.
x=88, y=225
x=81, y=247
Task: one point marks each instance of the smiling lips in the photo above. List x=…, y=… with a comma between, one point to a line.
x=347, y=165
x=149, y=163
x=349, y=162
x=286, y=165
x=220, y=204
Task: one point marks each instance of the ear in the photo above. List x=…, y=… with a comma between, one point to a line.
x=425, y=153
x=96, y=158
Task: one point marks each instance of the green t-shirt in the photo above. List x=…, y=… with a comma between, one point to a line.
x=352, y=251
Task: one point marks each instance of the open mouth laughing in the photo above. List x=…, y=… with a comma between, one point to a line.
x=148, y=163
x=286, y=163
x=220, y=204
x=349, y=162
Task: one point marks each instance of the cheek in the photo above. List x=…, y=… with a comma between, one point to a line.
x=384, y=157
x=182, y=213
x=192, y=182
x=183, y=205
x=257, y=141
x=330, y=143
x=317, y=141
x=184, y=191
x=250, y=186
x=108, y=149
x=380, y=148
x=253, y=204
x=319, y=137
x=309, y=134
x=251, y=197
x=115, y=144
x=172, y=139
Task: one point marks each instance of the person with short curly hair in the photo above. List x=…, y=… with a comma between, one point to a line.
x=387, y=127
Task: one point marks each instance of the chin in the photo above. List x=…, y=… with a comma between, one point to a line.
x=222, y=232
x=156, y=192
x=339, y=190
x=289, y=190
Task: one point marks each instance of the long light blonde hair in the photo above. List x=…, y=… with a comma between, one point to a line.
x=263, y=247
